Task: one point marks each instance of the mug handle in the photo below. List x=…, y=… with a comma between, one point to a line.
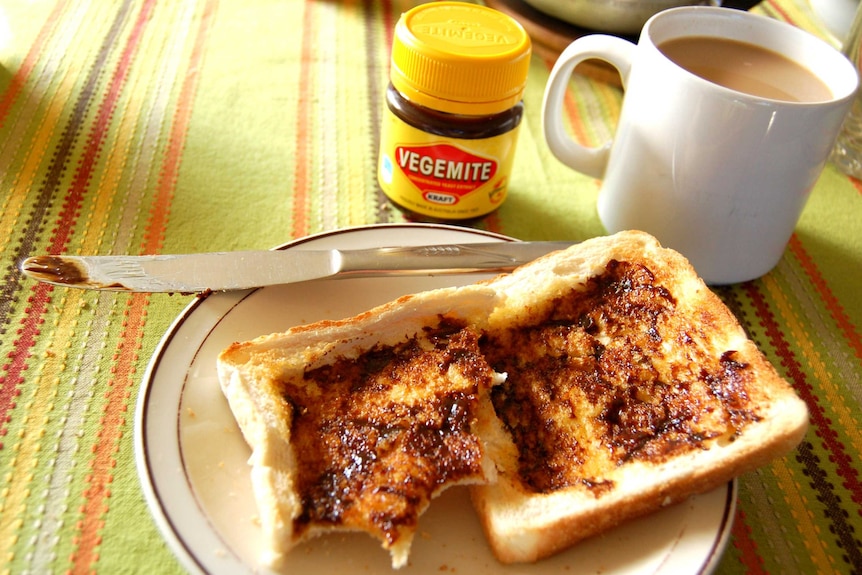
x=615, y=51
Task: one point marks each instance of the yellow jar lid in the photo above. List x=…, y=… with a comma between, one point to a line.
x=460, y=58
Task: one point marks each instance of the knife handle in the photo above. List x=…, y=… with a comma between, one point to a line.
x=500, y=256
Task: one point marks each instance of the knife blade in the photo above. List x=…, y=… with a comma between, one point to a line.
x=225, y=271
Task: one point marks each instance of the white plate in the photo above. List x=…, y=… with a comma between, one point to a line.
x=192, y=459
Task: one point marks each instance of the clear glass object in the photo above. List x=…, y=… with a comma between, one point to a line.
x=847, y=153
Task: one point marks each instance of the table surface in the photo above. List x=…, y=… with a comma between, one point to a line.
x=140, y=126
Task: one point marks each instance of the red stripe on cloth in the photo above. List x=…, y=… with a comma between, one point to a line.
x=388, y=23
x=123, y=374
x=818, y=417
x=113, y=419
x=27, y=333
x=572, y=114
x=493, y=223
x=34, y=313
x=846, y=326
x=303, y=122
x=160, y=209
x=778, y=10
x=745, y=544
x=98, y=132
x=84, y=555
x=23, y=73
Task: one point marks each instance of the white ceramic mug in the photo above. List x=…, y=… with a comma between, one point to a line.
x=717, y=174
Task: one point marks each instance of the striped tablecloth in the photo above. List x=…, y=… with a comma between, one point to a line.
x=145, y=126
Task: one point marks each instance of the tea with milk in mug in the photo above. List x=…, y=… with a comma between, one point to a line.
x=746, y=68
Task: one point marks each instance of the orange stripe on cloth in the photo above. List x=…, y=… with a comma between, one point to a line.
x=592, y=115
x=84, y=554
x=301, y=179
x=155, y=230
x=493, y=223
x=60, y=235
x=20, y=78
x=848, y=330
x=573, y=115
x=822, y=425
x=123, y=376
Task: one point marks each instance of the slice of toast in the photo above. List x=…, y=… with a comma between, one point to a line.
x=356, y=425
x=588, y=387
x=630, y=386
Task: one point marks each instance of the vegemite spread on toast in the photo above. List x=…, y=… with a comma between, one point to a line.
x=585, y=389
x=377, y=435
x=593, y=386
x=611, y=374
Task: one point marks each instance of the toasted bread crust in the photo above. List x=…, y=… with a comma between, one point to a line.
x=645, y=385
x=635, y=388
x=359, y=429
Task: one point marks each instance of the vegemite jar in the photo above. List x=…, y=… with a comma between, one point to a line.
x=453, y=107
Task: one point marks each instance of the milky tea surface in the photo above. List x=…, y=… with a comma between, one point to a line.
x=746, y=68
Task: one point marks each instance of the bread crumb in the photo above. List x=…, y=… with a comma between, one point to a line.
x=191, y=412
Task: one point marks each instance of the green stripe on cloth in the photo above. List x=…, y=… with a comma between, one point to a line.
x=102, y=191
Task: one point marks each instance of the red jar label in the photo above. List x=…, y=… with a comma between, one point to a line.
x=444, y=173
x=445, y=178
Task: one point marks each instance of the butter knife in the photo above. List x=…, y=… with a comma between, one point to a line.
x=224, y=271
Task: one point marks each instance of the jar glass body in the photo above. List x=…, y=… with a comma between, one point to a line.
x=441, y=167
